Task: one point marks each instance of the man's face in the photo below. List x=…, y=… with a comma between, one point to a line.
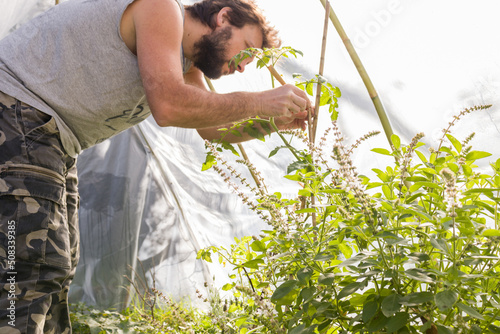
x=211, y=52
x=214, y=51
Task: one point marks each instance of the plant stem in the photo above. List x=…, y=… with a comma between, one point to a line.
x=496, y=212
x=278, y=77
x=384, y=119
x=454, y=241
x=491, y=321
x=287, y=144
x=240, y=146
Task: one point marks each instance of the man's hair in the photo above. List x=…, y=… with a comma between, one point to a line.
x=242, y=12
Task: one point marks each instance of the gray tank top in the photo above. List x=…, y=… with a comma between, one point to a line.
x=72, y=63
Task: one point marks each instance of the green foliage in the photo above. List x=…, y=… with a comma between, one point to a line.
x=329, y=93
x=166, y=317
x=86, y=320
x=414, y=250
x=265, y=57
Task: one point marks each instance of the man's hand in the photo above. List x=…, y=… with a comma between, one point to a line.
x=296, y=121
x=287, y=101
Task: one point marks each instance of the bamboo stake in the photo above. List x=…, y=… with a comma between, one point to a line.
x=312, y=121
x=386, y=124
x=314, y=126
x=276, y=75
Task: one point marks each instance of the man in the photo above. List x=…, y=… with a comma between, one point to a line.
x=82, y=72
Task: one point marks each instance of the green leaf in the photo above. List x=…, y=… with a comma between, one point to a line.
x=273, y=152
x=418, y=257
x=470, y=311
x=350, y=289
x=301, y=329
x=381, y=151
x=209, y=162
x=454, y=167
x=309, y=88
x=387, y=192
x=205, y=255
x=440, y=244
x=377, y=323
x=228, y=286
x=491, y=233
x=417, y=298
x=283, y=290
x=356, y=258
x=232, y=308
x=324, y=256
x=419, y=274
x=421, y=156
x=258, y=246
x=390, y=305
x=396, y=141
x=253, y=264
x=297, y=165
x=326, y=279
x=305, y=192
x=334, y=114
x=308, y=293
x=444, y=330
x=336, y=92
x=418, y=185
x=399, y=320
x=346, y=250
x=455, y=142
x=467, y=170
x=229, y=147
x=475, y=155
x=369, y=310
x=494, y=329
x=304, y=275
x=429, y=171
x=307, y=210
x=481, y=191
x=253, y=132
x=446, y=299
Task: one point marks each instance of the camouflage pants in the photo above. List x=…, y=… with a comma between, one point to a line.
x=39, y=233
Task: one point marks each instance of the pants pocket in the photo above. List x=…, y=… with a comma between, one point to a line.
x=36, y=123
x=33, y=200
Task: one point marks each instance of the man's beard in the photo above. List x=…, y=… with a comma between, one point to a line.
x=210, y=53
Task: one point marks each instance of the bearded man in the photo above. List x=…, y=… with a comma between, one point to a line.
x=79, y=74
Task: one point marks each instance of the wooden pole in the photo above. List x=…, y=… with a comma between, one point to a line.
x=384, y=119
x=314, y=126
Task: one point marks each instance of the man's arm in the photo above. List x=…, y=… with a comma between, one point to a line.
x=297, y=121
x=158, y=29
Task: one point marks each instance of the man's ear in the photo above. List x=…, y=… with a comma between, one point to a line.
x=222, y=17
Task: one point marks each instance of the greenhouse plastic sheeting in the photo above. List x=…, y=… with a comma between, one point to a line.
x=146, y=207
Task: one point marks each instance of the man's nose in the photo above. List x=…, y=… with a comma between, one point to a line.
x=241, y=67
x=243, y=64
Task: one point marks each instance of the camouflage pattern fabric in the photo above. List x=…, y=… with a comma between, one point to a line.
x=39, y=233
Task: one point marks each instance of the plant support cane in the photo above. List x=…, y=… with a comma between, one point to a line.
x=386, y=124
x=314, y=125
